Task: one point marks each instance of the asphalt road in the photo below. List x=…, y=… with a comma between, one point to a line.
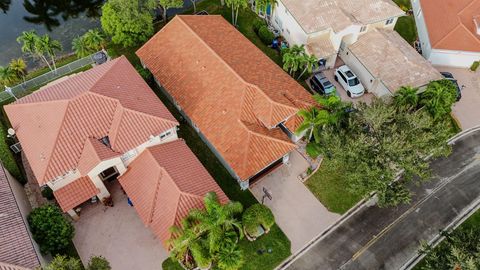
x=375, y=238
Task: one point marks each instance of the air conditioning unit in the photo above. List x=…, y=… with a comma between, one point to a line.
x=16, y=148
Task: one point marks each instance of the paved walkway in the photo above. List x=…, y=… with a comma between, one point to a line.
x=300, y=215
x=387, y=238
x=467, y=110
x=118, y=234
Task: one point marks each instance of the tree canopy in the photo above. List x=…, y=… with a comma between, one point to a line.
x=128, y=22
x=374, y=143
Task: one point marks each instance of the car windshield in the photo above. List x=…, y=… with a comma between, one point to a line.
x=353, y=82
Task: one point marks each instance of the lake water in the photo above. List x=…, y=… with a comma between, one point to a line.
x=61, y=19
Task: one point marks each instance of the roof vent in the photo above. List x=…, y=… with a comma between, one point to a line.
x=476, y=21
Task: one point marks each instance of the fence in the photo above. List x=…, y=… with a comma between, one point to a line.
x=23, y=89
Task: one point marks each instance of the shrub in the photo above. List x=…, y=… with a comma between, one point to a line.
x=145, y=73
x=475, y=66
x=265, y=35
x=257, y=24
x=98, y=263
x=64, y=263
x=47, y=193
x=8, y=158
x=50, y=229
x=257, y=215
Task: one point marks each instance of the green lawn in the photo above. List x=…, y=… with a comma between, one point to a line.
x=330, y=189
x=60, y=62
x=406, y=25
x=406, y=28
x=472, y=223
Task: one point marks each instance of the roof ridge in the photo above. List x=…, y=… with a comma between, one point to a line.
x=157, y=187
x=149, y=115
x=58, y=133
x=470, y=33
x=235, y=73
x=263, y=135
x=466, y=6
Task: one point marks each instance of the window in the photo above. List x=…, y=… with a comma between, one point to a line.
x=363, y=29
x=343, y=77
x=106, y=141
x=165, y=134
x=389, y=21
x=353, y=82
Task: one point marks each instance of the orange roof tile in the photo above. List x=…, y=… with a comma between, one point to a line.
x=455, y=28
x=93, y=153
x=222, y=81
x=111, y=100
x=75, y=193
x=164, y=182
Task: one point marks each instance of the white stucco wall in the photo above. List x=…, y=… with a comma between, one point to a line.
x=371, y=84
x=459, y=59
x=288, y=26
x=422, y=29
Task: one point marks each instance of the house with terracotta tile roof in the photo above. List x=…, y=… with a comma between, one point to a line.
x=81, y=131
x=242, y=104
x=164, y=182
x=327, y=26
x=449, y=31
x=17, y=248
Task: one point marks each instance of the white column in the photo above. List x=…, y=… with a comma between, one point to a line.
x=73, y=214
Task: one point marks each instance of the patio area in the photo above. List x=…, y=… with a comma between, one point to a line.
x=298, y=213
x=118, y=234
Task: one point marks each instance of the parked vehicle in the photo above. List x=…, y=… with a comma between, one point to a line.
x=320, y=84
x=449, y=76
x=349, y=81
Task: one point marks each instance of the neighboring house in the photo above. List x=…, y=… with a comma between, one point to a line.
x=242, y=104
x=17, y=249
x=86, y=129
x=326, y=26
x=384, y=62
x=173, y=181
x=449, y=31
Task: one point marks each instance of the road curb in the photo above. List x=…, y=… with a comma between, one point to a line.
x=367, y=202
x=438, y=238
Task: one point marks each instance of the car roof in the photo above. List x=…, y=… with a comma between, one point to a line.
x=320, y=76
x=447, y=75
x=345, y=69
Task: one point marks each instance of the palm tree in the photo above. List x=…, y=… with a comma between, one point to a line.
x=217, y=220
x=262, y=5
x=293, y=58
x=94, y=39
x=31, y=45
x=236, y=5
x=313, y=119
x=19, y=67
x=406, y=98
x=309, y=62
x=80, y=47
x=48, y=46
x=439, y=98
x=7, y=76
x=187, y=247
x=230, y=258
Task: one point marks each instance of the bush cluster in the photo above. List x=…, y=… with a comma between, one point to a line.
x=257, y=215
x=265, y=35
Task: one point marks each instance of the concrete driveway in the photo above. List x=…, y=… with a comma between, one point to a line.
x=467, y=110
x=300, y=215
x=118, y=234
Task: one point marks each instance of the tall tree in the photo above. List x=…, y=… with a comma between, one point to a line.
x=19, y=67
x=439, y=98
x=31, y=46
x=48, y=46
x=80, y=47
x=217, y=220
x=236, y=5
x=309, y=62
x=61, y=262
x=94, y=39
x=262, y=5
x=128, y=22
x=406, y=98
x=168, y=4
x=294, y=59
x=7, y=76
